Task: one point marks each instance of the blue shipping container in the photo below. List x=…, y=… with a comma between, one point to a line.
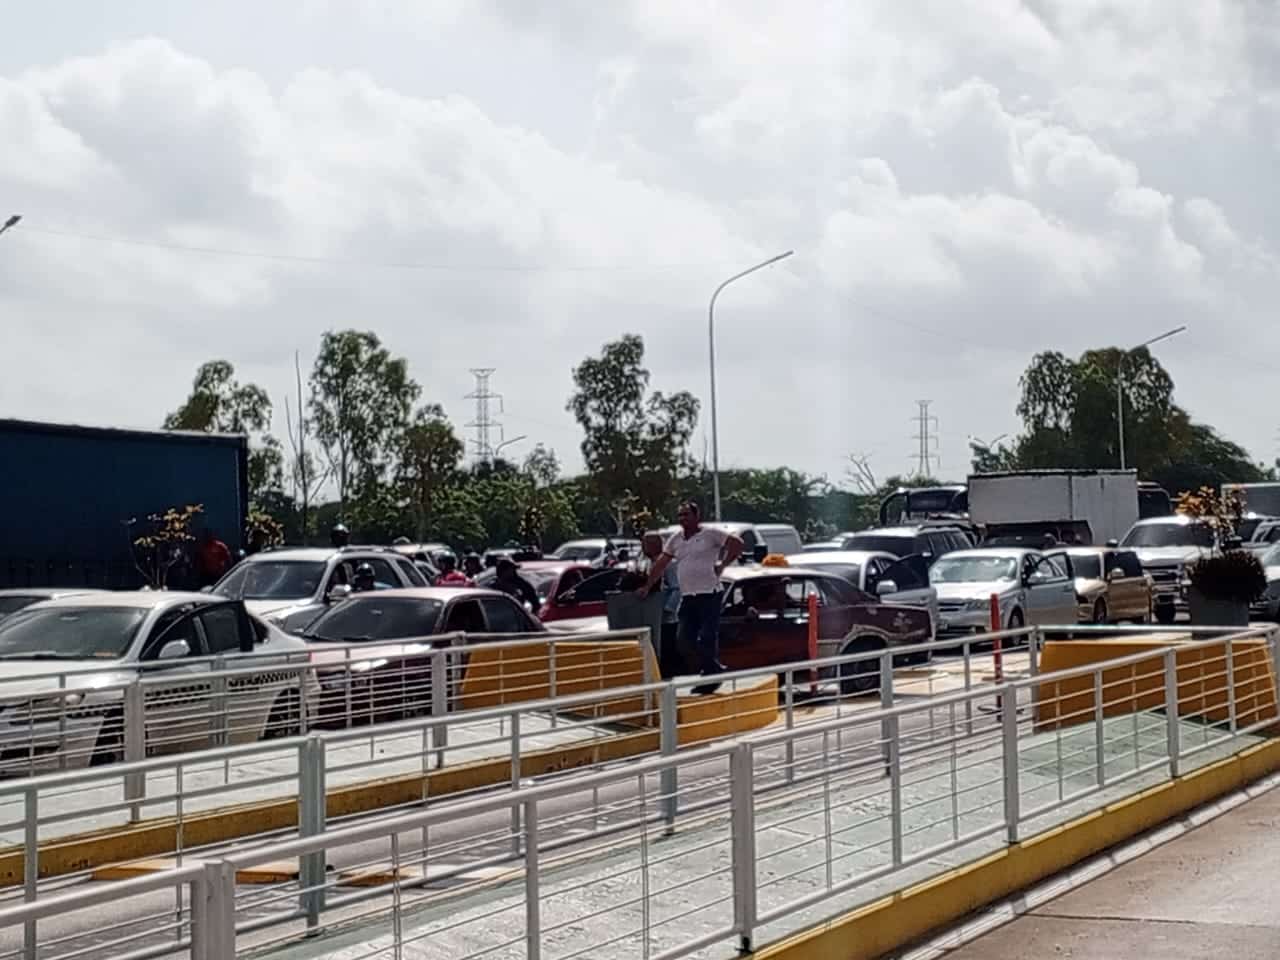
x=69, y=492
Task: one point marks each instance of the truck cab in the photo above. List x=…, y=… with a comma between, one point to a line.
x=1166, y=548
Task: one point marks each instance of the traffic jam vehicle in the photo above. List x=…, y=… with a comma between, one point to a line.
x=1030, y=589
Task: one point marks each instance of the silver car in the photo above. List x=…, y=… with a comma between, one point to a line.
x=14, y=599
x=1030, y=588
x=64, y=664
x=883, y=575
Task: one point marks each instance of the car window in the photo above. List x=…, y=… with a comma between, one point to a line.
x=909, y=573
x=595, y=589
x=411, y=573
x=169, y=628
x=1129, y=563
x=937, y=544
x=465, y=616
x=222, y=629
x=374, y=617
x=1048, y=569
x=382, y=571
x=503, y=616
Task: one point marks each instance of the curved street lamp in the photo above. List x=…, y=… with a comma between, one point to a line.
x=711, y=353
x=1120, y=380
x=11, y=222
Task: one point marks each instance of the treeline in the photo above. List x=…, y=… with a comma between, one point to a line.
x=362, y=446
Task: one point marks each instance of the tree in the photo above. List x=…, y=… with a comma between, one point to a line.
x=361, y=399
x=1068, y=409
x=635, y=442
x=163, y=543
x=221, y=404
x=429, y=457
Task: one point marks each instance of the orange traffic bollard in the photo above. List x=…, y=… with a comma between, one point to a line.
x=995, y=628
x=813, y=642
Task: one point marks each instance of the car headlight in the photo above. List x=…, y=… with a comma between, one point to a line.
x=364, y=666
x=981, y=604
x=44, y=708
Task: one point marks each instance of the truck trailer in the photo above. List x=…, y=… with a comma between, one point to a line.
x=76, y=496
x=1071, y=506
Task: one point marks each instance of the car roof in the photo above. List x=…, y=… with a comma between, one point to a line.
x=48, y=592
x=886, y=532
x=993, y=552
x=837, y=556
x=753, y=570
x=313, y=554
x=441, y=594
x=1179, y=519
x=141, y=599
x=1090, y=551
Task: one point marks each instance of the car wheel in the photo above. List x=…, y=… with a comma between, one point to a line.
x=860, y=676
x=285, y=719
x=1166, y=613
x=109, y=747
x=1100, y=611
x=1016, y=620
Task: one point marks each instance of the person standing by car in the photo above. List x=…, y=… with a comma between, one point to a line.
x=450, y=575
x=213, y=559
x=668, y=655
x=509, y=581
x=700, y=554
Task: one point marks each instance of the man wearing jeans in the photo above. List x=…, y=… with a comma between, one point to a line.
x=699, y=554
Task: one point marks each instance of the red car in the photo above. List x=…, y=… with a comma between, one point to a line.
x=582, y=593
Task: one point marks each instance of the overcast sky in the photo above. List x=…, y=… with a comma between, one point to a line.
x=510, y=184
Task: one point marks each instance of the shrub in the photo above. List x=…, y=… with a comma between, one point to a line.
x=1235, y=576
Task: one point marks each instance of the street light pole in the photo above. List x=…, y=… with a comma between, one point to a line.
x=11, y=222
x=711, y=353
x=1120, y=381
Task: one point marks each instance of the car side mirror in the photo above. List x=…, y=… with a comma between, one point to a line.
x=175, y=650
x=1116, y=574
x=338, y=592
x=886, y=587
x=752, y=613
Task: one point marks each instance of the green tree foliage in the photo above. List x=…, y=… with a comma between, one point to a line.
x=635, y=442
x=429, y=457
x=1068, y=410
x=361, y=401
x=219, y=403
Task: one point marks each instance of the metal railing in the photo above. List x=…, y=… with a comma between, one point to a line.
x=694, y=847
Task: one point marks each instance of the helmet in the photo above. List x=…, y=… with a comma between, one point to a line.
x=364, y=571
x=400, y=542
x=339, y=535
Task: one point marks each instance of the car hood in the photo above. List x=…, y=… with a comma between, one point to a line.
x=20, y=679
x=365, y=656
x=275, y=609
x=578, y=625
x=1273, y=573
x=1170, y=556
x=1087, y=586
x=973, y=591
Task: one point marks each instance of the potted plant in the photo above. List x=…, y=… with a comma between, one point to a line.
x=1223, y=584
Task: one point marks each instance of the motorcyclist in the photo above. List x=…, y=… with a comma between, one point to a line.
x=509, y=581
x=365, y=579
x=472, y=565
x=450, y=576
x=339, y=536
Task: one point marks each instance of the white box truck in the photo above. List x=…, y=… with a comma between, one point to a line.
x=1072, y=506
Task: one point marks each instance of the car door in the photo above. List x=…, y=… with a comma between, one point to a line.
x=911, y=576
x=1050, y=591
x=239, y=706
x=589, y=598
x=761, y=625
x=177, y=692
x=1137, y=591
x=504, y=616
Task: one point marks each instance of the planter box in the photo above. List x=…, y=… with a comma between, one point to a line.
x=1206, y=612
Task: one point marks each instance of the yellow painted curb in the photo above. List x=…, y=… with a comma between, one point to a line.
x=902, y=918
x=377, y=876
x=281, y=872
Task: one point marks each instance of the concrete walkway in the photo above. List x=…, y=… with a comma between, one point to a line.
x=1209, y=893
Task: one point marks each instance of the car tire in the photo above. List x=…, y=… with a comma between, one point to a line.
x=1100, y=612
x=1016, y=622
x=1166, y=614
x=860, y=676
x=285, y=719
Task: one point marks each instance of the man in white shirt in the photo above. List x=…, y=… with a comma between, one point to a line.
x=700, y=554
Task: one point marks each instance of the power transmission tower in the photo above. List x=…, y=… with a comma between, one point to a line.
x=926, y=454
x=484, y=424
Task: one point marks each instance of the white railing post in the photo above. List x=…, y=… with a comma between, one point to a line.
x=669, y=744
x=1099, y=728
x=895, y=790
x=743, y=825
x=134, y=737
x=1012, y=793
x=30, y=865
x=1173, y=732
x=439, y=704
x=198, y=897
x=1230, y=670
x=551, y=681
x=311, y=822
x=1033, y=649
x=648, y=660
x=217, y=940
x=515, y=779
x=790, y=713
x=532, y=894
x=886, y=702
x=221, y=717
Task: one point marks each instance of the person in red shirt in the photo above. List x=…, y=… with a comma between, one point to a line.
x=213, y=559
x=450, y=576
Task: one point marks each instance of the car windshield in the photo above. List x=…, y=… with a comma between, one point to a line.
x=1169, y=535
x=69, y=633
x=1088, y=566
x=879, y=543
x=577, y=551
x=11, y=604
x=847, y=571
x=973, y=569
x=272, y=580
x=1271, y=557
x=392, y=618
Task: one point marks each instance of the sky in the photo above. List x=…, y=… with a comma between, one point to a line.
x=510, y=185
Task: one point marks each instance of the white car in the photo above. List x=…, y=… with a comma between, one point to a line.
x=1032, y=589
x=1167, y=548
x=64, y=662
x=14, y=599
